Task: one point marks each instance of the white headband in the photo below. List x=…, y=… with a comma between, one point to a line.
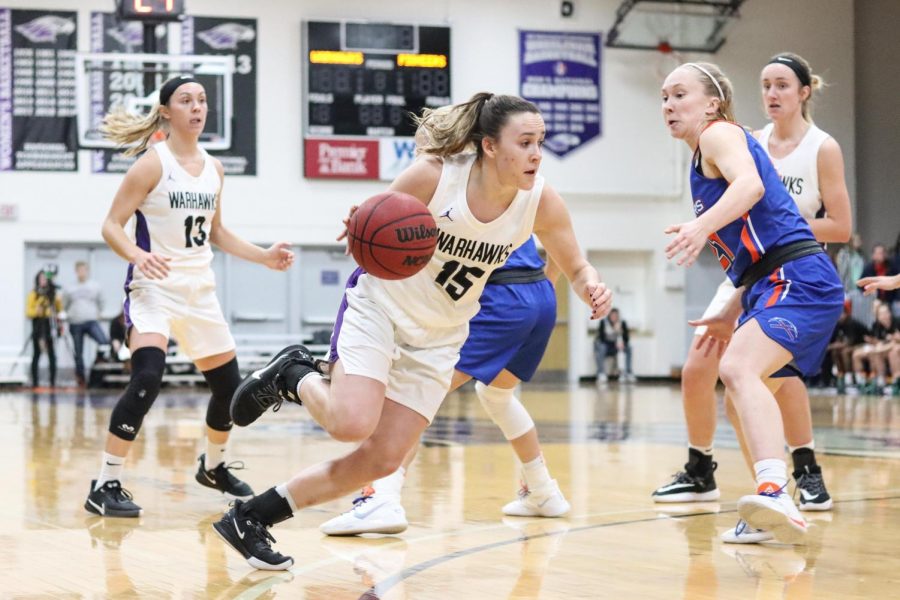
x=711, y=78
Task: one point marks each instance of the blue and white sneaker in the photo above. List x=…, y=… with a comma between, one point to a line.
x=744, y=534
x=371, y=513
x=773, y=510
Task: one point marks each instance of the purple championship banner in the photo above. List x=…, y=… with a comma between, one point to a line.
x=37, y=90
x=560, y=73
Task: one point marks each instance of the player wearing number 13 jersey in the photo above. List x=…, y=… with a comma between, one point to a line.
x=395, y=344
x=173, y=195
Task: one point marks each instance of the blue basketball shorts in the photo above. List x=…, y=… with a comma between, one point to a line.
x=798, y=306
x=510, y=331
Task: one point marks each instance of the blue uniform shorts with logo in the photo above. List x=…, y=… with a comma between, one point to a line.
x=797, y=306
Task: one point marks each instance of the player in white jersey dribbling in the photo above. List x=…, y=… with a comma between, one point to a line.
x=397, y=342
x=811, y=167
x=173, y=195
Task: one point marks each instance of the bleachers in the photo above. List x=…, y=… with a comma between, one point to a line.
x=253, y=352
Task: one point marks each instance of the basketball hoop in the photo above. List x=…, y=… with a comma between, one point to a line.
x=666, y=25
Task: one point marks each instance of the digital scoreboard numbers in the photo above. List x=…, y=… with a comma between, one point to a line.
x=364, y=79
x=154, y=11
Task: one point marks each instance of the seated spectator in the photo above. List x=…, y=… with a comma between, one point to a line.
x=876, y=350
x=880, y=266
x=849, y=334
x=612, y=339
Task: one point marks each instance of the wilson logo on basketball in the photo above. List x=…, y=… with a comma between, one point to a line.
x=415, y=234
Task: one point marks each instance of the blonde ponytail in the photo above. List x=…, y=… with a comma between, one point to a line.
x=125, y=128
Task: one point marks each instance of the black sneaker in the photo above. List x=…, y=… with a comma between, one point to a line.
x=268, y=386
x=221, y=479
x=111, y=500
x=251, y=538
x=688, y=486
x=811, y=487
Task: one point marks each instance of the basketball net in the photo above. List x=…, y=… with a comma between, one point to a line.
x=667, y=59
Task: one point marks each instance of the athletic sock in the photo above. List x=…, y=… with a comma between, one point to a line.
x=535, y=473
x=110, y=469
x=215, y=455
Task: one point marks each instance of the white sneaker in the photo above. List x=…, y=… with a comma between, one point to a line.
x=744, y=534
x=370, y=514
x=540, y=502
x=776, y=513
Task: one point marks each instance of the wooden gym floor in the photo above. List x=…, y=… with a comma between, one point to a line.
x=609, y=448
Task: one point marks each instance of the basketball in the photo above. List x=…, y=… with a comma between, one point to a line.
x=392, y=235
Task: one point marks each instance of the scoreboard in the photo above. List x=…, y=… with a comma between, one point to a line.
x=364, y=79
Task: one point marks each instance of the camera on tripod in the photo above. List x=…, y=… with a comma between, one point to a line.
x=50, y=271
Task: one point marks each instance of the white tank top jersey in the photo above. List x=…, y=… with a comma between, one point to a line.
x=174, y=219
x=799, y=169
x=445, y=293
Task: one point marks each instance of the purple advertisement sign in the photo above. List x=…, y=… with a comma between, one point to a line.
x=560, y=73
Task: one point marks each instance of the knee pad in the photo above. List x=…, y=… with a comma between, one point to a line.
x=147, y=366
x=222, y=383
x=505, y=410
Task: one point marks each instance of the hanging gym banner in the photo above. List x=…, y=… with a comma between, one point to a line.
x=237, y=37
x=37, y=90
x=560, y=73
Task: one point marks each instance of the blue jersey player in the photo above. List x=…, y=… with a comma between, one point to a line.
x=788, y=296
x=506, y=342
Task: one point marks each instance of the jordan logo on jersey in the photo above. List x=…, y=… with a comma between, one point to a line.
x=446, y=214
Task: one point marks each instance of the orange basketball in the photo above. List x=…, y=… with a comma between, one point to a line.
x=392, y=235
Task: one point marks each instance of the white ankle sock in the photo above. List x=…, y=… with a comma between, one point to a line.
x=535, y=473
x=215, y=455
x=705, y=450
x=811, y=445
x=770, y=472
x=313, y=374
x=110, y=469
x=284, y=493
x=392, y=485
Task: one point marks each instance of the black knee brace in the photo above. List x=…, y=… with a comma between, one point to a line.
x=147, y=366
x=222, y=383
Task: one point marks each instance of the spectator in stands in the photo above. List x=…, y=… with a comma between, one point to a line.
x=849, y=334
x=613, y=338
x=880, y=266
x=850, y=262
x=83, y=303
x=43, y=306
x=876, y=350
